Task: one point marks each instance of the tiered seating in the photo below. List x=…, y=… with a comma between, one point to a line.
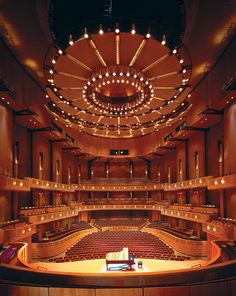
x=182, y=233
x=140, y=245
x=63, y=232
x=100, y=223
x=80, y=225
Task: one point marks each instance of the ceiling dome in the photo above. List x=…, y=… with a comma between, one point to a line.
x=117, y=84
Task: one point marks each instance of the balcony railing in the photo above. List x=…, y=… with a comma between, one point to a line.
x=16, y=232
x=13, y=184
x=45, y=218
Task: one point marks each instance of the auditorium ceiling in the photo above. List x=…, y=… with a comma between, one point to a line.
x=117, y=69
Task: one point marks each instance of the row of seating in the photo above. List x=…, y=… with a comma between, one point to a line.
x=182, y=233
x=119, y=222
x=140, y=245
x=63, y=232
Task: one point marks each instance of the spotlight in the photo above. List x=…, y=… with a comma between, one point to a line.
x=174, y=51
x=100, y=30
x=71, y=41
x=163, y=42
x=148, y=35
x=133, y=31
x=117, y=30
x=86, y=33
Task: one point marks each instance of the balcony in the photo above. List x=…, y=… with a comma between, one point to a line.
x=193, y=215
x=13, y=184
x=16, y=232
x=49, y=217
x=222, y=230
x=188, y=184
x=49, y=185
x=225, y=182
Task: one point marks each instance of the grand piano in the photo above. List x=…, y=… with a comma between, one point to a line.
x=122, y=259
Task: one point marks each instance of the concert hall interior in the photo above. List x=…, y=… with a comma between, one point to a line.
x=117, y=160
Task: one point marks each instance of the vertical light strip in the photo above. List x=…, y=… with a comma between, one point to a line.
x=117, y=49
x=138, y=51
x=97, y=53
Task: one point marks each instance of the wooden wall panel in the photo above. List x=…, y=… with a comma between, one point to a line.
x=68, y=160
x=230, y=203
x=99, y=169
x=167, y=291
x=5, y=206
x=181, y=156
x=196, y=144
x=27, y=291
x=140, y=168
x=168, y=160
x=57, y=156
x=41, y=145
x=119, y=292
x=216, y=289
x=6, y=134
x=71, y=292
x=21, y=135
x=214, y=135
x=119, y=170
x=230, y=140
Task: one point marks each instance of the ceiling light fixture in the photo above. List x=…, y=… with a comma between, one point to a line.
x=133, y=31
x=71, y=41
x=86, y=36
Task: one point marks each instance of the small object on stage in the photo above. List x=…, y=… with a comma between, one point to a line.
x=140, y=264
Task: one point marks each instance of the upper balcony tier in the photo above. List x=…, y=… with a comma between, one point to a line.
x=117, y=184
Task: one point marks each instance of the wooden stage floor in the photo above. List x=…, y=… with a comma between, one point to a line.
x=99, y=266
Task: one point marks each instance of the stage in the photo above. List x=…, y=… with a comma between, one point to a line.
x=99, y=266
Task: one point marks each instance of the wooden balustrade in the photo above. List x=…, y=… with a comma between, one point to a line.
x=223, y=231
x=126, y=187
x=187, y=215
x=187, y=184
x=225, y=182
x=49, y=217
x=185, y=246
x=206, y=209
x=49, y=249
x=16, y=232
x=13, y=184
x=49, y=185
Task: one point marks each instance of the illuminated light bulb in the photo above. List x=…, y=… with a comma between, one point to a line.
x=222, y=181
x=148, y=35
x=174, y=51
x=51, y=71
x=86, y=33
x=60, y=51
x=100, y=30
x=184, y=71
x=133, y=31
x=53, y=61
x=71, y=41
x=181, y=61
x=163, y=42
x=117, y=30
